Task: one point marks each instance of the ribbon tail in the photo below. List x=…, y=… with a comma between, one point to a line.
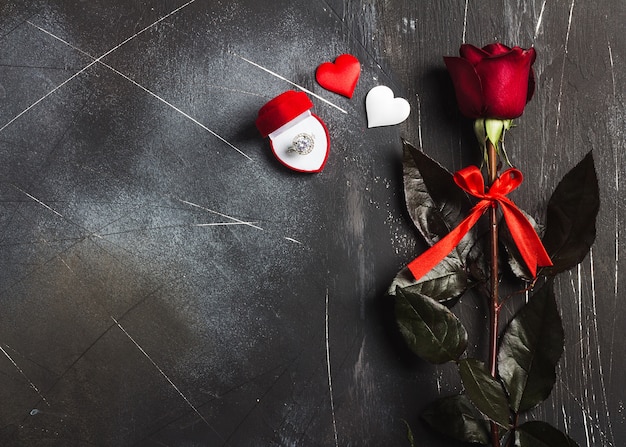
x=424, y=263
x=526, y=239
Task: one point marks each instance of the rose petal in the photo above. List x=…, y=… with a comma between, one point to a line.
x=531, y=85
x=495, y=49
x=533, y=54
x=531, y=76
x=505, y=81
x=473, y=54
x=467, y=86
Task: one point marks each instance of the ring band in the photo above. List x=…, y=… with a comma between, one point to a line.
x=302, y=144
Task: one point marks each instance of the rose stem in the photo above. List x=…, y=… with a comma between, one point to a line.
x=494, y=304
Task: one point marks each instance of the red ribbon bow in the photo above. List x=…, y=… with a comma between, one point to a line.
x=471, y=180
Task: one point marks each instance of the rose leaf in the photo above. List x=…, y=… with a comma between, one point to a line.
x=435, y=203
x=455, y=416
x=530, y=349
x=445, y=283
x=430, y=330
x=484, y=391
x=571, y=217
x=541, y=434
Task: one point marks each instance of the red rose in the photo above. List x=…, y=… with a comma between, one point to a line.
x=493, y=82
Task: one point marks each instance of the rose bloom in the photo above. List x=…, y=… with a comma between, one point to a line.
x=494, y=81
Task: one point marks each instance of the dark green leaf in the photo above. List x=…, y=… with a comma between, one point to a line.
x=429, y=328
x=455, y=416
x=530, y=349
x=436, y=205
x=571, y=217
x=444, y=283
x=484, y=391
x=541, y=434
x=477, y=264
x=434, y=201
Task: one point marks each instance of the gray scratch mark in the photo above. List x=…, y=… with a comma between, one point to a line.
x=330, y=377
x=66, y=264
x=234, y=90
x=616, y=284
x=587, y=417
x=224, y=224
x=293, y=240
x=617, y=232
x=607, y=412
x=101, y=235
x=34, y=67
x=612, y=68
x=160, y=443
x=150, y=92
x=23, y=374
x=566, y=49
x=36, y=411
x=617, y=224
x=220, y=214
x=465, y=21
x=419, y=121
x=166, y=377
x=95, y=61
x=290, y=82
x=38, y=201
x=583, y=338
x=539, y=20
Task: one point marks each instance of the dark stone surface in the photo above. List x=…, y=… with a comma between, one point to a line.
x=166, y=282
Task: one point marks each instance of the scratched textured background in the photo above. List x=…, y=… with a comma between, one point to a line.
x=165, y=282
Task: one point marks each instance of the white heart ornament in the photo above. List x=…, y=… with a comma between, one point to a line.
x=383, y=109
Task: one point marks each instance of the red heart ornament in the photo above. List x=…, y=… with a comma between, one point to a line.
x=341, y=76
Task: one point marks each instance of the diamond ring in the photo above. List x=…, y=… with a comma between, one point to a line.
x=302, y=144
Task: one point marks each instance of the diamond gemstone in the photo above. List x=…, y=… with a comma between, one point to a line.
x=302, y=144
